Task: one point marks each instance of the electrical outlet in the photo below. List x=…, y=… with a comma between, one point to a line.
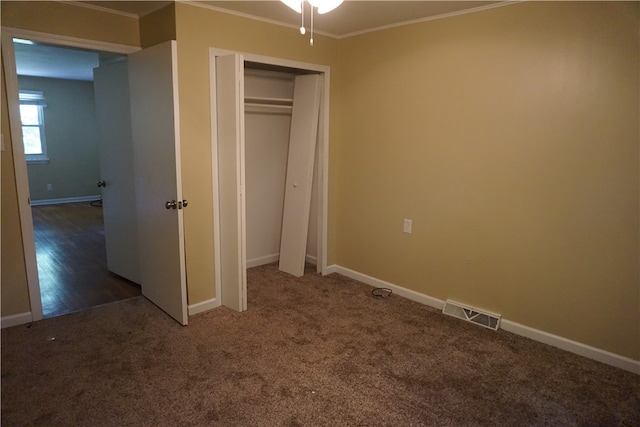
x=408, y=225
x=49, y=187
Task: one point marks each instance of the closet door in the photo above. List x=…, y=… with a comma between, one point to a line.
x=302, y=149
x=229, y=106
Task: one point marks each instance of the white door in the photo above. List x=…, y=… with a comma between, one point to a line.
x=111, y=89
x=228, y=94
x=159, y=202
x=297, y=195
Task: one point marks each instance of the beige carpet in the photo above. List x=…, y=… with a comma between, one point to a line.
x=314, y=351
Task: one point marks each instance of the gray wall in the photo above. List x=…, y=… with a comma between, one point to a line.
x=71, y=133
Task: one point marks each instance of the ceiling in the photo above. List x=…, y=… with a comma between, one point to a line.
x=352, y=17
x=42, y=60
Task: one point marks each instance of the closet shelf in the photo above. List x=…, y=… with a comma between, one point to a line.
x=259, y=100
x=267, y=108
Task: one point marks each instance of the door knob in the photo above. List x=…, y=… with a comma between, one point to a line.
x=101, y=184
x=171, y=204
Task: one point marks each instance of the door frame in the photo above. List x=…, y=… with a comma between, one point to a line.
x=19, y=160
x=322, y=155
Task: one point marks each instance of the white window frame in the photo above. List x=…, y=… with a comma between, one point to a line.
x=33, y=97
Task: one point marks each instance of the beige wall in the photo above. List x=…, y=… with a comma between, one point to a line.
x=510, y=137
x=13, y=274
x=197, y=30
x=158, y=27
x=60, y=18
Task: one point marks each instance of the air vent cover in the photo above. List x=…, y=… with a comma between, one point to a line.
x=471, y=314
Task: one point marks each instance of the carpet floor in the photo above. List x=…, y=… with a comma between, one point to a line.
x=310, y=351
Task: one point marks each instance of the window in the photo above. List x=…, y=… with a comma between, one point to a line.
x=32, y=105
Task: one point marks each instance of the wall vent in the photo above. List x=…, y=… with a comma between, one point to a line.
x=471, y=314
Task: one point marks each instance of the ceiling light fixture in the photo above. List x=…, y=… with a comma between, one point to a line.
x=323, y=6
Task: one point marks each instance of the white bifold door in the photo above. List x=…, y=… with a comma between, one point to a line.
x=159, y=202
x=228, y=106
x=299, y=181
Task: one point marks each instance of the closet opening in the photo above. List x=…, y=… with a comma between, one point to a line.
x=270, y=189
x=268, y=102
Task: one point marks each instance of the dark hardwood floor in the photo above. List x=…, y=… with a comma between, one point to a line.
x=71, y=256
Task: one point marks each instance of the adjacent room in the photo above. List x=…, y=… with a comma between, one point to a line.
x=62, y=138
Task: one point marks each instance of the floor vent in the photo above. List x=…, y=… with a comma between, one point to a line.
x=471, y=314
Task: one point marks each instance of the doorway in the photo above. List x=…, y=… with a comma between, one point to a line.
x=20, y=164
x=63, y=168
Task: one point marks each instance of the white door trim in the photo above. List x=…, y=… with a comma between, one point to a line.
x=227, y=107
x=20, y=164
x=323, y=158
x=22, y=179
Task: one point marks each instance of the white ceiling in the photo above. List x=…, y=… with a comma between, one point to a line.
x=56, y=62
x=41, y=60
x=352, y=17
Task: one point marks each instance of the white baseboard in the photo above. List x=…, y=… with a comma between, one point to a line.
x=403, y=292
x=203, y=306
x=575, y=347
x=268, y=259
x=331, y=269
x=16, y=319
x=80, y=199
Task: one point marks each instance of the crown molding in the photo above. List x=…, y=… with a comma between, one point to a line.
x=202, y=5
x=249, y=16
x=355, y=33
x=98, y=8
x=431, y=18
